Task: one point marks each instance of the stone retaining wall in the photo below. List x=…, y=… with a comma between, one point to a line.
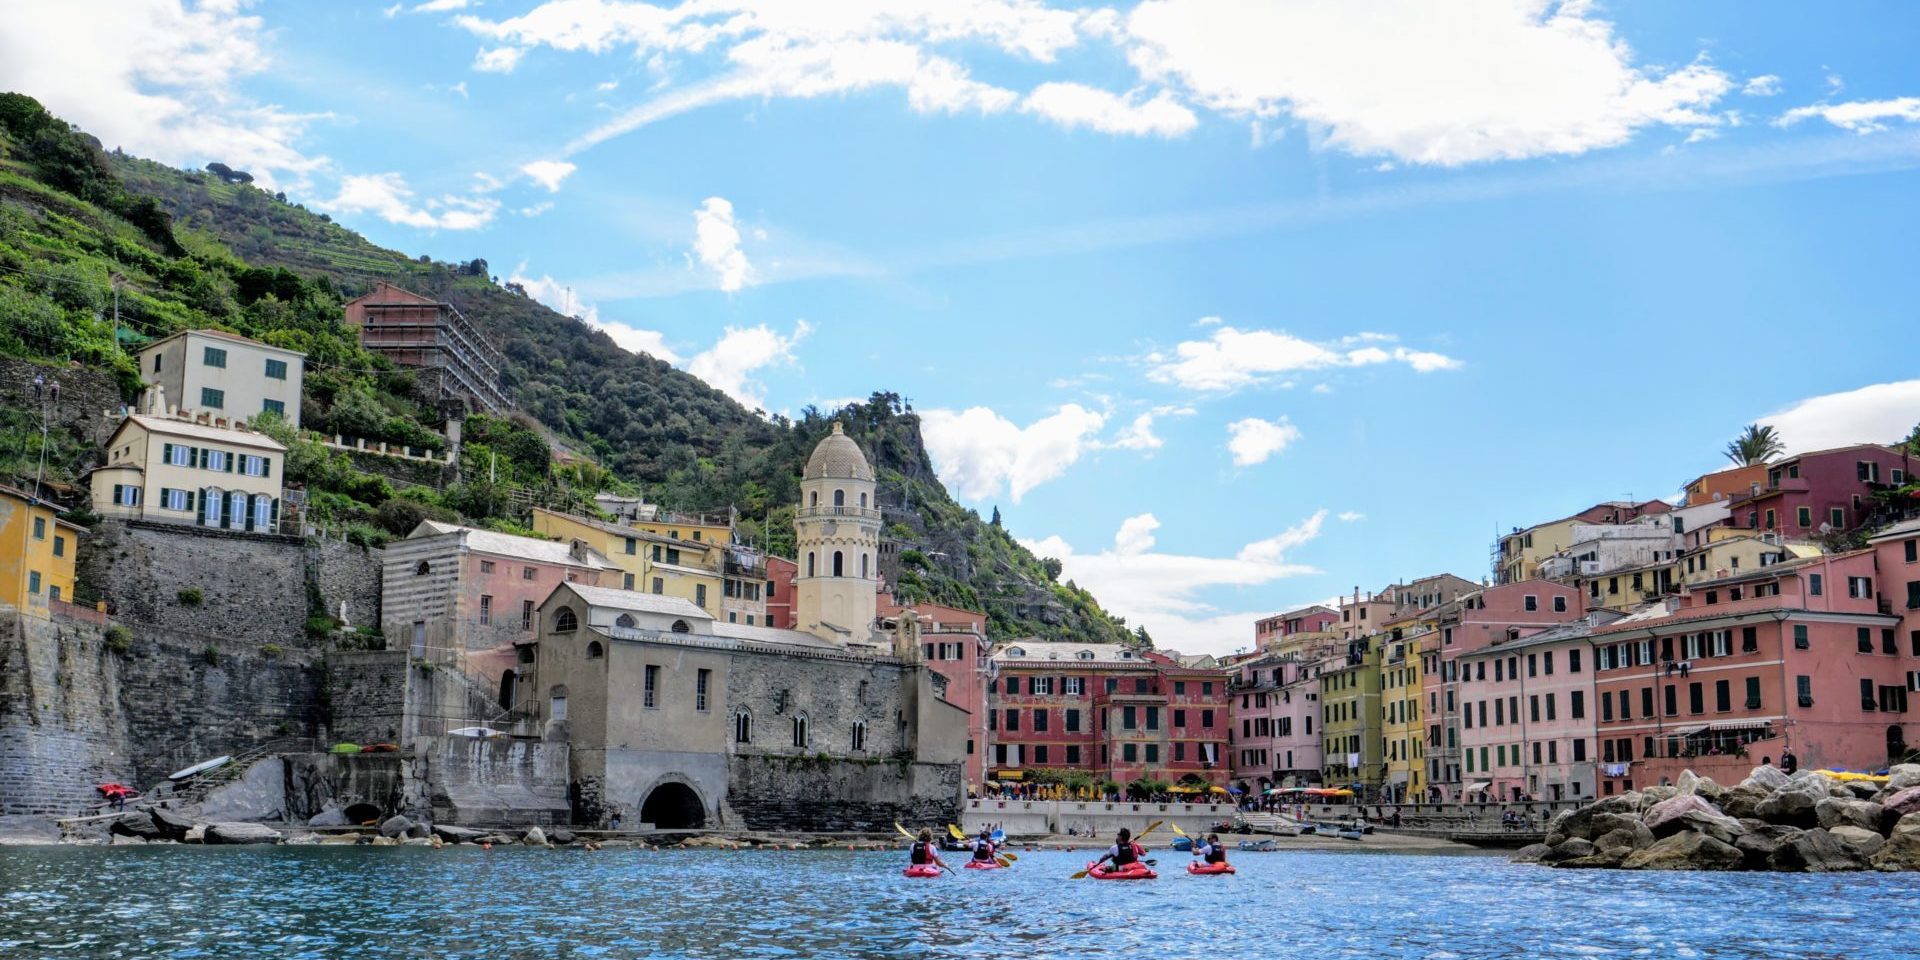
x=809, y=794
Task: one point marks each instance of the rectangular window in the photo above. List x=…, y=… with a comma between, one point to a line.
x=1579, y=749
x=1040, y=754
x=276, y=369
x=659, y=585
x=1130, y=752
x=1559, y=604
x=1206, y=721
x=526, y=614
x=1129, y=718
x=1606, y=708
x=211, y=398
x=1800, y=637
x=1863, y=638
x=702, y=680
x=1072, y=720
x=33, y=582
x=1013, y=685
x=700, y=595
x=1012, y=720
x=1646, y=703
x=651, y=687
x=39, y=528
x=1532, y=603
x=1671, y=694
x=486, y=609
x=1179, y=719
x=1803, y=689
x=1153, y=718
x=1153, y=753
x=1040, y=720
x=1073, y=754
x=214, y=357
x=1866, y=693
x=1837, y=516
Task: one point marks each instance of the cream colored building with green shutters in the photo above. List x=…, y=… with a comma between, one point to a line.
x=224, y=375
x=204, y=471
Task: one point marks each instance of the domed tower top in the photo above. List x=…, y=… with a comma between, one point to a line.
x=837, y=457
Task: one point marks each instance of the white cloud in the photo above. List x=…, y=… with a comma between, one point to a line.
x=393, y=11
x=158, y=78
x=1231, y=358
x=549, y=173
x=1138, y=435
x=387, y=196
x=535, y=210
x=716, y=245
x=498, y=59
x=1161, y=591
x=561, y=298
x=729, y=365
x=1765, y=85
x=1078, y=105
x=1350, y=516
x=1858, y=116
x=1880, y=413
x=1253, y=440
x=1421, y=82
x=978, y=452
x=440, y=6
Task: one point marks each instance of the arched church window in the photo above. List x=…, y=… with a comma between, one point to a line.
x=863, y=565
x=564, y=620
x=626, y=620
x=680, y=626
x=810, y=563
x=839, y=498
x=838, y=564
x=595, y=651
x=813, y=498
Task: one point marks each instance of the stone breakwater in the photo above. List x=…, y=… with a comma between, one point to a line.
x=1806, y=822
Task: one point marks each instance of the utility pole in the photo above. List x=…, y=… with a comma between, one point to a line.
x=117, y=280
x=46, y=392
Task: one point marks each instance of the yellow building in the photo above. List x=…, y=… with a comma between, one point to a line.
x=204, y=471
x=652, y=562
x=1739, y=550
x=1350, y=717
x=36, y=553
x=1402, y=724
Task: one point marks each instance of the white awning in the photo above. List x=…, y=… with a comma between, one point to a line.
x=1478, y=785
x=1686, y=731
x=1739, y=724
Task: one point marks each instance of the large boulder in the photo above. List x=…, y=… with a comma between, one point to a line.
x=535, y=837
x=1571, y=849
x=1757, y=849
x=1657, y=794
x=1907, y=824
x=232, y=833
x=1743, y=801
x=453, y=834
x=396, y=826
x=1815, y=851
x=171, y=822
x=1766, y=777
x=1605, y=823
x=1900, y=803
x=1628, y=802
x=1608, y=859
x=1834, y=812
x=1531, y=853
x=1900, y=852
x=1900, y=776
x=138, y=824
x=1862, y=789
x=1691, y=783
x=1792, y=806
x=330, y=817
x=1686, y=851
x=561, y=835
x=1663, y=817
x=1576, y=824
x=1716, y=825
x=1630, y=838
x=1859, y=840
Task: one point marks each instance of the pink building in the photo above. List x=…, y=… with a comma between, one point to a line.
x=1275, y=703
x=954, y=643
x=1826, y=488
x=1274, y=629
x=1804, y=656
x=780, y=576
x=461, y=597
x=1504, y=612
x=1527, y=721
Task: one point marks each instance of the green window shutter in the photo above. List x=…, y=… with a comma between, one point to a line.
x=230, y=459
x=166, y=453
x=266, y=466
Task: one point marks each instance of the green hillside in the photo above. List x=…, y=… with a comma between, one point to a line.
x=199, y=249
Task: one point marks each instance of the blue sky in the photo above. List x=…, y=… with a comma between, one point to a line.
x=1233, y=306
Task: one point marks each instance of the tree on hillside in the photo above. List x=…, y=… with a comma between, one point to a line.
x=1912, y=442
x=1756, y=444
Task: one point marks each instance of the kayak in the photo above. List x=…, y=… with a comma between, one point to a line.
x=1132, y=871
x=982, y=865
x=922, y=870
x=1209, y=869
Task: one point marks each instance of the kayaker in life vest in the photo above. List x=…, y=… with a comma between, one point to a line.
x=984, y=848
x=925, y=852
x=1210, y=849
x=1124, y=851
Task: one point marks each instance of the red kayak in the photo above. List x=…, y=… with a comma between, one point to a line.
x=922, y=870
x=982, y=865
x=1132, y=871
x=1208, y=869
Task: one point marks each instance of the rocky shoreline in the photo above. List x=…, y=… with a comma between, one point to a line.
x=1805, y=822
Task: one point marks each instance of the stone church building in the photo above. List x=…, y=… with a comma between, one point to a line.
x=676, y=719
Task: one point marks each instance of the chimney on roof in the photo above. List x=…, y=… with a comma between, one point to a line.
x=577, y=549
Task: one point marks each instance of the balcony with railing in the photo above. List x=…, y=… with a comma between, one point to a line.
x=834, y=513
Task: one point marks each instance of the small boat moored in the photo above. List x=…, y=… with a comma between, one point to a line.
x=922, y=871
x=1209, y=869
x=1132, y=871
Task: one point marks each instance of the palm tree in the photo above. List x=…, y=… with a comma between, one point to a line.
x=1756, y=444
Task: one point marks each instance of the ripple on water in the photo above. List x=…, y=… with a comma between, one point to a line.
x=300, y=902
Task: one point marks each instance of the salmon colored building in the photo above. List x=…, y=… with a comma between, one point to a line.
x=1116, y=711
x=954, y=644
x=781, y=573
x=1808, y=494
x=1803, y=656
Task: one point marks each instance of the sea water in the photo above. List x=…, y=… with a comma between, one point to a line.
x=264, y=903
